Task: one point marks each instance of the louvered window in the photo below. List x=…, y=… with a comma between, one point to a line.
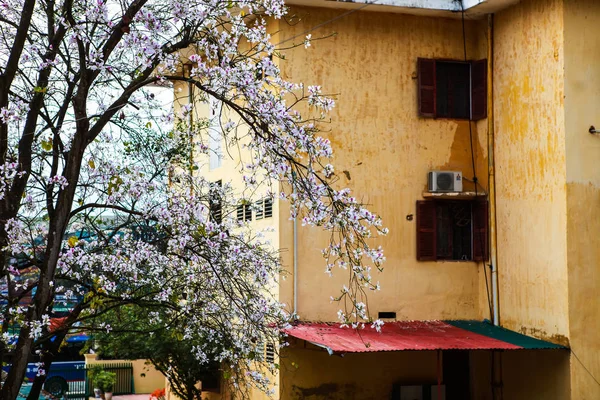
x=244, y=213
x=264, y=208
x=215, y=204
x=270, y=353
x=452, y=230
x=452, y=89
x=260, y=209
x=268, y=208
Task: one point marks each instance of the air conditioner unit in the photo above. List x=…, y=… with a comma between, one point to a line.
x=422, y=392
x=444, y=181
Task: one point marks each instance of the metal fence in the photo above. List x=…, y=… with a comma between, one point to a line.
x=81, y=387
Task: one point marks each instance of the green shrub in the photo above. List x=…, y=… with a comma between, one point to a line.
x=104, y=380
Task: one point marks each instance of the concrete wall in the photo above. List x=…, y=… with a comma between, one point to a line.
x=369, y=60
x=548, y=180
x=146, y=378
x=530, y=169
x=354, y=376
x=526, y=375
x=582, y=101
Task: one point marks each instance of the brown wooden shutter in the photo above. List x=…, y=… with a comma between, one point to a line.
x=426, y=72
x=426, y=246
x=480, y=230
x=478, y=89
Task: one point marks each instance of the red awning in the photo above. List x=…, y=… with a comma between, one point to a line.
x=415, y=335
x=56, y=323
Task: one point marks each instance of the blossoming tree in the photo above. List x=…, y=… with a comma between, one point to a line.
x=100, y=204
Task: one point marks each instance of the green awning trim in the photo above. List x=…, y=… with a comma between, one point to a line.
x=505, y=335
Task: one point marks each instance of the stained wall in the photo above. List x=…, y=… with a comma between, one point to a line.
x=530, y=169
x=582, y=101
x=383, y=151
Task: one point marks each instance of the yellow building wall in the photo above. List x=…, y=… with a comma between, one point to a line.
x=582, y=102
x=146, y=378
x=531, y=169
x=526, y=375
x=383, y=151
x=310, y=373
x=546, y=78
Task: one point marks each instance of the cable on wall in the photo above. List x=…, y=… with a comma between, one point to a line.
x=475, y=180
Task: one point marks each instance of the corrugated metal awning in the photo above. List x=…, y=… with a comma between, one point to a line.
x=415, y=335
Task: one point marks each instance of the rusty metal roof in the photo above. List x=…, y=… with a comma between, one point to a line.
x=415, y=335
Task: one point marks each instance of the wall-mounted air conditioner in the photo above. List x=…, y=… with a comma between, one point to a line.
x=444, y=181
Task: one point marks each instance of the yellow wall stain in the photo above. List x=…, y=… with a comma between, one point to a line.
x=530, y=167
x=386, y=150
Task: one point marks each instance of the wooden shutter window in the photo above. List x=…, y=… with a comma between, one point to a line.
x=478, y=90
x=480, y=230
x=426, y=219
x=426, y=72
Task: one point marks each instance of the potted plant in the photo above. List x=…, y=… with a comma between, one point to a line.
x=93, y=373
x=105, y=380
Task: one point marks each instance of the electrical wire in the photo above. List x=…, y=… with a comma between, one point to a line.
x=584, y=367
x=475, y=181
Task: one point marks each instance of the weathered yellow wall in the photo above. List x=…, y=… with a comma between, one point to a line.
x=146, y=378
x=386, y=151
x=582, y=102
x=526, y=375
x=310, y=373
x=530, y=169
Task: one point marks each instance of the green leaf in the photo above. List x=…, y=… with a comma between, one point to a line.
x=47, y=144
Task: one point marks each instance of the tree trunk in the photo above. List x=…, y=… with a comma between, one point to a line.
x=39, y=381
x=12, y=385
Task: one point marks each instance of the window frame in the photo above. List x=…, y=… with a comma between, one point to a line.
x=427, y=88
x=426, y=238
x=264, y=208
x=243, y=212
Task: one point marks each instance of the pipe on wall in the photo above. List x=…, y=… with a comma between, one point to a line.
x=491, y=171
x=497, y=381
x=295, y=265
x=295, y=253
